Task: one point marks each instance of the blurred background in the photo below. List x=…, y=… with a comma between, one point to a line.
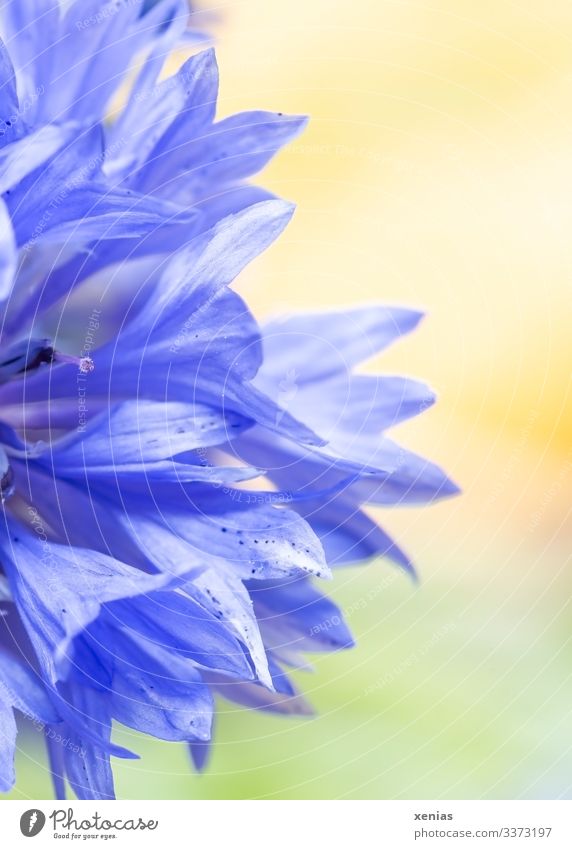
x=436, y=172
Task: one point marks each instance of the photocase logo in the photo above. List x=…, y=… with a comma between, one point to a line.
x=287, y=391
x=32, y=822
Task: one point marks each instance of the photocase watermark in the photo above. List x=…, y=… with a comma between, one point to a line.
x=48, y=558
x=189, y=326
x=248, y=496
x=5, y=594
x=50, y=733
x=109, y=10
x=75, y=182
x=514, y=458
x=86, y=368
x=550, y=494
x=93, y=324
x=183, y=335
x=411, y=660
x=39, y=528
x=184, y=77
x=397, y=165
x=9, y=122
x=360, y=604
x=287, y=391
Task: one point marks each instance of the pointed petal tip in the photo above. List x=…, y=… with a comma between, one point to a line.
x=405, y=565
x=447, y=489
x=200, y=755
x=451, y=489
x=348, y=643
x=208, y=53
x=409, y=318
x=121, y=752
x=323, y=572
x=303, y=707
x=6, y=784
x=430, y=398
x=277, y=207
x=299, y=122
x=205, y=62
x=413, y=575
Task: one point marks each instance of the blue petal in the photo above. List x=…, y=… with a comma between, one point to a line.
x=76, y=514
x=182, y=715
x=89, y=210
x=233, y=149
x=243, y=144
x=87, y=765
x=8, y=253
x=132, y=439
x=89, y=54
x=57, y=768
x=160, y=119
x=352, y=410
x=228, y=201
x=156, y=693
x=194, y=275
x=257, y=697
x=21, y=158
x=172, y=30
x=10, y=121
x=200, y=754
x=221, y=592
x=27, y=27
x=281, y=682
x=294, y=615
x=24, y=690
x=179, y=624
x=7, y=746
x=144, y=431
x=350, y=536
x=59, y=590
x=153, y=687
x=259, y=540
x=408, y=478
x=208, y=357
x=323, y=345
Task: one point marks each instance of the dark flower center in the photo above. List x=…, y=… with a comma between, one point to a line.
x=29, y=354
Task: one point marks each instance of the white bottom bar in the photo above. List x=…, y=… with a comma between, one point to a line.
x=289, y=824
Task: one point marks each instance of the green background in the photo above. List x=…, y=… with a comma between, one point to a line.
x=448, y=694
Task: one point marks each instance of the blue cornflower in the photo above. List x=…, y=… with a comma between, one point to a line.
x=171, y=493
x=80, y=193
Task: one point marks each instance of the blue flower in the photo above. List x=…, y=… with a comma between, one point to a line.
x=175, y=480
x=80, y=193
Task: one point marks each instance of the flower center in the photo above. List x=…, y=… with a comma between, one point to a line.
x=29, y=354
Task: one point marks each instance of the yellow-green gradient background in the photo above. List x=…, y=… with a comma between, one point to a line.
x=436, y=172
